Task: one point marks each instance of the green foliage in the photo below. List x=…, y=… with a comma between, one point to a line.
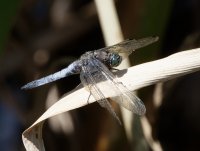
x=154, y=19
x=8, y=11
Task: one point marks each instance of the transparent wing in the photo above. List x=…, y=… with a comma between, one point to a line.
x=88, y=78
x=123, y=96
x=129, y=45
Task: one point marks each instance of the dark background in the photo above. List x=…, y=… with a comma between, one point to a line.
x=39, y=37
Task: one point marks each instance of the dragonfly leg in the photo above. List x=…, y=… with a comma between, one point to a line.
x=89, y=94
x=89, y=98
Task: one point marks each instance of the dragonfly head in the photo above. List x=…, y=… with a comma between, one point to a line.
x=115, y=60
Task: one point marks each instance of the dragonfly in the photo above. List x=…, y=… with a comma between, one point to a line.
x=96, y=66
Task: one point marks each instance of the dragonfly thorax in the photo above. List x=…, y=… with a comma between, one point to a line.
x=110, y=59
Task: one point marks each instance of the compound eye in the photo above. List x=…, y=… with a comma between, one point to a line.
x=115, y=60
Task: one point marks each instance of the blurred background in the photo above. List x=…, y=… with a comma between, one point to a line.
x=39, y=37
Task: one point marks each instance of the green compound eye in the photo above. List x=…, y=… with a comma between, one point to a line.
x=115, y=60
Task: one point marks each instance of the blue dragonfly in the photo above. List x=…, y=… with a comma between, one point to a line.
x=95, y=66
